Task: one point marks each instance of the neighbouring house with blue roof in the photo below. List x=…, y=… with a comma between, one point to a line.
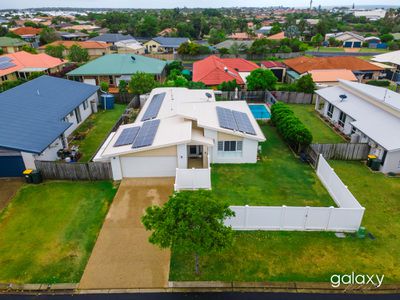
x=37, y=117
x=113, y=68
x=163, y=44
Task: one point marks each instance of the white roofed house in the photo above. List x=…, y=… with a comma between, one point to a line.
x=179, y=132
x=368, y=114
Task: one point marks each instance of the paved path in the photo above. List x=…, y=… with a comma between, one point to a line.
x=8, y=188
x=122, y=256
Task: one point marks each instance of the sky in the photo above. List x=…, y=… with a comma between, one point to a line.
x=181, y=3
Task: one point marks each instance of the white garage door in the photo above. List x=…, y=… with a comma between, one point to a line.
x=159, y=166
x=90, y=81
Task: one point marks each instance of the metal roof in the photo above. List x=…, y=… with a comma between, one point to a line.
x=111, y=37
x=31, y=115
x=173, y=42
x=120, y=64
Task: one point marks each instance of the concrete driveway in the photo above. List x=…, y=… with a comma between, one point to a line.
x=8, y=188
x=122, y=257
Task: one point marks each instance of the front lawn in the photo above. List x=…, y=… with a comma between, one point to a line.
x=313, y=256
x=278, y=179
x=322, y=132
x=47, y=231
x=97, y=126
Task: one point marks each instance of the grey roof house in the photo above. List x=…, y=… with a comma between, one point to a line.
x=112, y=38
x=164, y=44
x=37, y=117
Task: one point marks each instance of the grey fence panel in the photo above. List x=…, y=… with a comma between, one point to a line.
x=350, y=151
x=293, y=97
x=75, y=171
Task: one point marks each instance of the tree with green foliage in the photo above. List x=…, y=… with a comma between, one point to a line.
x=216, y=36
x=78, y=54
x=104, y=86
x=305, y=84
x=48, y=35
x=237, y=48
x=261, y=80
x=228, y=86
x=34, y=75
x=223, y=51
x=55, y=50
x=174, y=65
x=196, y=85
x=317, y=40
x=387, y=37
x=29, y=49
x=142, y=83
x=191, y=222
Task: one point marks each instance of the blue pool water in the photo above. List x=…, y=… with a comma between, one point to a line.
x=260, y=111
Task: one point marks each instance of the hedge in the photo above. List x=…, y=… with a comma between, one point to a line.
x=292, y=130
x=384, y=83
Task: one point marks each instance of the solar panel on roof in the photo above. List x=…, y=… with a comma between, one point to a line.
x=146, y=134
x=4, y=59
x=127, y=136
x=243, y=122
x=6, y=65
x=154, y=107
x=226, y=119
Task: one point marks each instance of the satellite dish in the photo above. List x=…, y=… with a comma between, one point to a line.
x=208, y=95
x=342, y=97
x=133, y=58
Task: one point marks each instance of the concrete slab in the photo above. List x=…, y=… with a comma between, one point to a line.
x=122, y=257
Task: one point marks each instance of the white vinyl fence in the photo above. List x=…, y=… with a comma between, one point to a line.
x=346, y=217
x=192, y=179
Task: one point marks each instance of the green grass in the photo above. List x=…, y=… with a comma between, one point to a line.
x=321, y=132
x=313, y=256
x=278, y=179
x=99, y=125
x=47, y=232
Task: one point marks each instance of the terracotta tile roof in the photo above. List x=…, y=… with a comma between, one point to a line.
x=23, y=60
x=214, y=70
x=332, y=75
x=273, y=64
x=26, y=31
x=278, y=36
x=239, y=36
x=304, y=64
x=85, y=44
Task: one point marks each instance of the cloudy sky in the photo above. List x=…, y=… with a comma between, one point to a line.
x=181, y=3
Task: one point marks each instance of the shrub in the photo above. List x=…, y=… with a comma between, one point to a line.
x=384, y=83
x=228, y=85
x=292, y=130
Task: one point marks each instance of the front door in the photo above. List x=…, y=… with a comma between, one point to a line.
x=195, y=151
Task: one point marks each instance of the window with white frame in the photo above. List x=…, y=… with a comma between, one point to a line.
x=342, y=119
x=85, y=104
x=230, y=146
x=330, y=110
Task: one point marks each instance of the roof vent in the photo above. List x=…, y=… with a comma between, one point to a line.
x=38, y=92
x=342, y=97
x=133, y=58
x=226, y=69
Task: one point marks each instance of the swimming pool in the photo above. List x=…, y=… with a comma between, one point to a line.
x=260, y=111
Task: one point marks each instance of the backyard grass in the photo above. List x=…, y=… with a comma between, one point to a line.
x=321, y=132
x=313, y=256
x=47, y=231
x=98, y=126
x=278, y=179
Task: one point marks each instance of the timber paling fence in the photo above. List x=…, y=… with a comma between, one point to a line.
x=75, y=171
x=343, y=151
